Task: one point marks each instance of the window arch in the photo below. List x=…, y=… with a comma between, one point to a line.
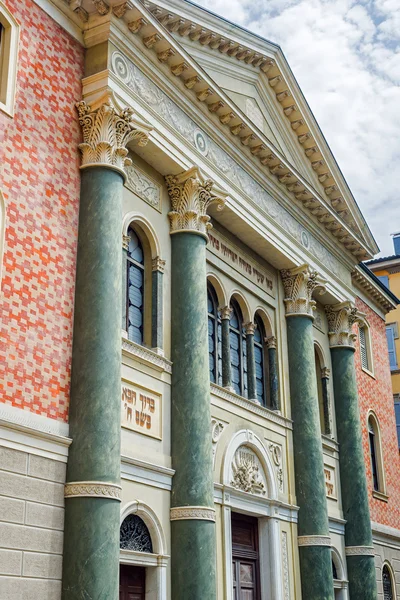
x=135, y=287
x=214, y=337
x=237, y=344
x=260, y=360
x=375, y=451
x=387, y=583
x=9, y=34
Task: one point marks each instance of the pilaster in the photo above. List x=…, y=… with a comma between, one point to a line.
x=157, y=324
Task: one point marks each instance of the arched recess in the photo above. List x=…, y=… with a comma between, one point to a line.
x=214, y=280
x=243, y=304
x=248, y=438
x=151, y=521
x=388, y=582
x=376, y=454
x=261, y=313
x=2, y=230
x=143, y=225
x=340, y=583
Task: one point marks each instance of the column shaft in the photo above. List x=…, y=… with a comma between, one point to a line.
x=157, y=310
x=193, y=541
x=358, y=535
x=251, y=367
x=226, y=354
x=315, y=560
x=273, y=382
x=91, y=537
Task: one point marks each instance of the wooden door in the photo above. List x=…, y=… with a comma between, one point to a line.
x=245, y=558
x=132, y=583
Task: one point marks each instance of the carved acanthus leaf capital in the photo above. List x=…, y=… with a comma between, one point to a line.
x=125, y=241
x=107, y=129
x=299, y=285
x=250, y=328
x=158, y=264
x=270, y=342
x=225, y=312
x=341, y=318
x=191, y=195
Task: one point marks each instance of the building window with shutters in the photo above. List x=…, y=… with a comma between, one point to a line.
x=391, y=335
x=365, y=348
x=376, y=458
x=387, y=583
x=214, y=337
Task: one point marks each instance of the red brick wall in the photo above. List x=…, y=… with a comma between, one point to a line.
x=39, y=179
x=376, y=394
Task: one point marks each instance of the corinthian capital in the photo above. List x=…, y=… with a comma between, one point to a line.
x=299, y=285
x=341, y=318
x=191, y=195
x=107, y=130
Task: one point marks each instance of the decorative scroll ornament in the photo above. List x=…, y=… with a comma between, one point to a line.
x=190, y=513
x=217, y=427
x=276, y=453
x=92, y=489
x=191, y=195
x=134, y=535
x=341, y=318
x=247, y=473
x=107, y=130
x=299, y=284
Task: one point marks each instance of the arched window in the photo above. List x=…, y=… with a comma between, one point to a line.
x=373, y=449
x=214, y=337
x=387, y=584
x=9, y=32
x=135, y=288
x=237, y=344
x=134, y=535
x=260, y=362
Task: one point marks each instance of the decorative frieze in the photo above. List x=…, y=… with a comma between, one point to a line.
x=359, y=551
x=191, y=195
x=144, y=187
x=247, y=472
x=299, y=285
x=314, y=540
x=192, y=513
x=107, y=130
x=92, y=489
x=341, y=318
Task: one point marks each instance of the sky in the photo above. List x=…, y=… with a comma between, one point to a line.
x=345, y=56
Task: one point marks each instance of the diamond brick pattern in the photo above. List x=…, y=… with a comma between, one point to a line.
x=39, y=179
x=376, y=393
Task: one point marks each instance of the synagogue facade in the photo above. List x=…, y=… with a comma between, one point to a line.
x=193, y=358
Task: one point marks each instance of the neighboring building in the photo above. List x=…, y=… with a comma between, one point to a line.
x=223, y=456
x=387, y=269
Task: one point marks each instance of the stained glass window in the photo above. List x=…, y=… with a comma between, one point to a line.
x=135, y=288
x=214, y=337
x=134, y=535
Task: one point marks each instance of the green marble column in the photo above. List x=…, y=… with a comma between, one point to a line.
x=358, y=535
x=226, y=312
x=251, y=363
x=273, y=381
x=193, y=536
x=92, y=491
x=313, y=525
x=157, y=305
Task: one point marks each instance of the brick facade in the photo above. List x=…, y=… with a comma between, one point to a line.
x=39, y=180
x=375, y=393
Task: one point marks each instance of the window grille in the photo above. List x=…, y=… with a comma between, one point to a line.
x=134, y=535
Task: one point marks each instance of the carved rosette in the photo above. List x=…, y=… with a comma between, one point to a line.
x=299, y=285
x=341, y=318
x=191, y=195
x=106, y=132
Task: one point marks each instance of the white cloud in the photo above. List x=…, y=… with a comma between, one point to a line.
x=345, y=55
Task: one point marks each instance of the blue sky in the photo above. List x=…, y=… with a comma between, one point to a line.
x=346, y=58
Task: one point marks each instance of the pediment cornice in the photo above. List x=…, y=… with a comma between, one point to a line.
x=157, y=27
